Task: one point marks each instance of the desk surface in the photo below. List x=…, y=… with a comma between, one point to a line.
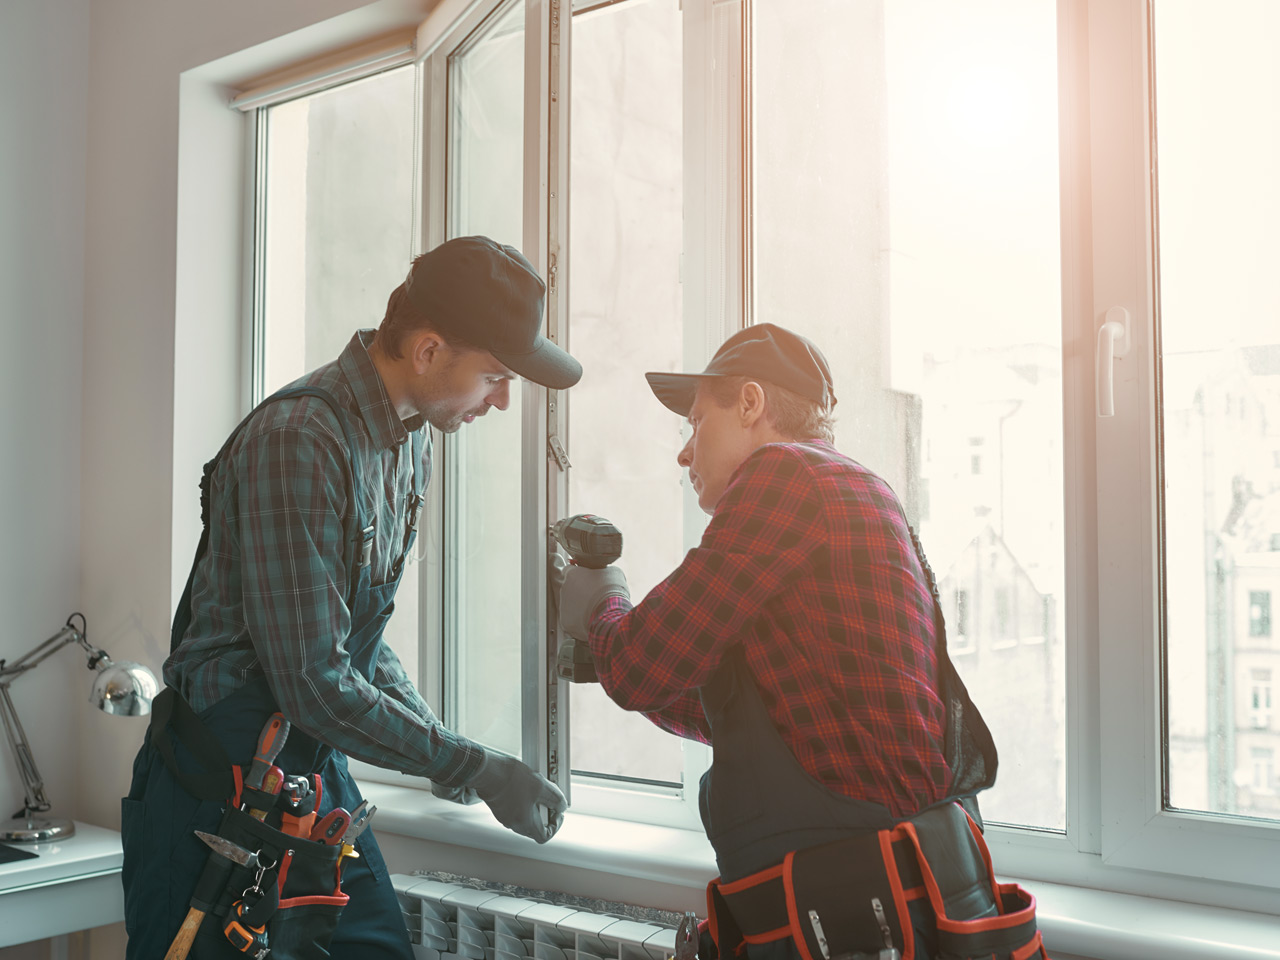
x=71, y=884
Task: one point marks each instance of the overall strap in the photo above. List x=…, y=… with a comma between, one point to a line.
x=359, y=535
x=968, y=747
x=420, y=477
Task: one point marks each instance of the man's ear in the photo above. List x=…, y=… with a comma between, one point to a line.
x=751, y=403
x=425, y=349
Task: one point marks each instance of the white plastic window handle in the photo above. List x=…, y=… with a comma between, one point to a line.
x=1113, y=343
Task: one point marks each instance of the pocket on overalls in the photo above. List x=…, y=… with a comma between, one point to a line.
x=1001, y=923
x=307, y=878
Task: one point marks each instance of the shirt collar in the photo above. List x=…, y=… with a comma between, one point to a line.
x=386, y=429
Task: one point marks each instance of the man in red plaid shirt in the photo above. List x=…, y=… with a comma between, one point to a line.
x=801, y=638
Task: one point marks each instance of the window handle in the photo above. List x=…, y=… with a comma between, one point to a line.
x=1113, y=343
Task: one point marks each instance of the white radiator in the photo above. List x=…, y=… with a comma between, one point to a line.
x=463, y=921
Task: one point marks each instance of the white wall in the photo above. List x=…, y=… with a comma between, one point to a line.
x=44, y=47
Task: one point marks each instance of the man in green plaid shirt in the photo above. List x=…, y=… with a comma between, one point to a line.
x=312, y=510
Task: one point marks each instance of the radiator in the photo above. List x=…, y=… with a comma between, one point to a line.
x=456, y=919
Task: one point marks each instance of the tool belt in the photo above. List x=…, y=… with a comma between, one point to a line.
x=848, y=899
x=293, y=901
x=290, y=902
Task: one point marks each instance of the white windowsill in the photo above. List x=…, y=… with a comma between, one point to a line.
x=636, y=850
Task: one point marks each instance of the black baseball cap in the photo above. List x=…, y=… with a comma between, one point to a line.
x=762, y=351
x=487, y=294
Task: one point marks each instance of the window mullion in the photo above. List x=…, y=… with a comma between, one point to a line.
x=546, y=225
x=1084, y=741
x=1127, y=573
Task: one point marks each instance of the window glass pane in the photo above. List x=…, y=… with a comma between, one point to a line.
x=625, y=303
x=1218, y=149
x=339, y=205
x=338, y=211
x=482, y=555
x=907, y=219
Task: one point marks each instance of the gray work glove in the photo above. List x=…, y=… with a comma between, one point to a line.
x=520, y=799
x=579, y=592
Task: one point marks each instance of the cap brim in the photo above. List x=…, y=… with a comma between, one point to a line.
x=546, y=364
x=675, y=390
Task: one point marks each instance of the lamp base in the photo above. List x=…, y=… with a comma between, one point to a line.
x=35, y=830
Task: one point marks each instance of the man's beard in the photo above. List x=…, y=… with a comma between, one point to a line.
x=444, y=419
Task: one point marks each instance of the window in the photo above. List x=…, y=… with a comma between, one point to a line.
x=1259, y=613
x=1098, y=503
x=1263, y=772
x=917, y=240
x=626, y=240
x=481, y=468
x=1184, y=433
x=1260, y=698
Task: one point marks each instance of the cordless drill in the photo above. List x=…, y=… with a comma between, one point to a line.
x=591, y=542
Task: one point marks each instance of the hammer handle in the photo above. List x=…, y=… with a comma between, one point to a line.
x=181, y=945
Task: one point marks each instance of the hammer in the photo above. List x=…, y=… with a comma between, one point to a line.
x=186, y=935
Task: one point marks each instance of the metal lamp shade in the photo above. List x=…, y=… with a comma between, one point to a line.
x=123, y=688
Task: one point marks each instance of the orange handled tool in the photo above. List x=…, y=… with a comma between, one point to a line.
x=270, y=742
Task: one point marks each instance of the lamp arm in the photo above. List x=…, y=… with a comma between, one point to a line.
x=36, y=801
x=43, y=651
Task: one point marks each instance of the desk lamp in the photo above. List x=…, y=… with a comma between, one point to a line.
x=123, y=689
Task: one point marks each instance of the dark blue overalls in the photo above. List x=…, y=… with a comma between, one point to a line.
x=785, y=843
x=162, y=856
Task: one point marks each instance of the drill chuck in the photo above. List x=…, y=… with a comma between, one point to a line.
x=589, y=540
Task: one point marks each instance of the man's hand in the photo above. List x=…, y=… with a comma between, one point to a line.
x=520, y=799
x=580, y=591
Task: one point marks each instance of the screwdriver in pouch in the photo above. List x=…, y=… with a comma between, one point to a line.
x=271, y=784
x=270, y=742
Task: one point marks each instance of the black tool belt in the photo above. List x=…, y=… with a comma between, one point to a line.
x=287, y=905
x=848, y=899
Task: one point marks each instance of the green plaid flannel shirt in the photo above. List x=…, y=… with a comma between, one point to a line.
x=269, y=596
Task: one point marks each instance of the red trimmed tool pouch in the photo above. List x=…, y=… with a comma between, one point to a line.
x=305, y=874
x=842, y=900
x=848, y=899
x=976, y=917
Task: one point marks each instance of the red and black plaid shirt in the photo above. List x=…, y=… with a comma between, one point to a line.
x=807, y=565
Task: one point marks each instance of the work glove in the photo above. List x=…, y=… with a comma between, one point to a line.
x=580, y=591
x=520, y=799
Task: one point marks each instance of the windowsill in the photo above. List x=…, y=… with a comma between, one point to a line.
x=1077, y=920
x=636, y=850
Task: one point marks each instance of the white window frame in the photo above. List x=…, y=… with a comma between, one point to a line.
x=1117, y=786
